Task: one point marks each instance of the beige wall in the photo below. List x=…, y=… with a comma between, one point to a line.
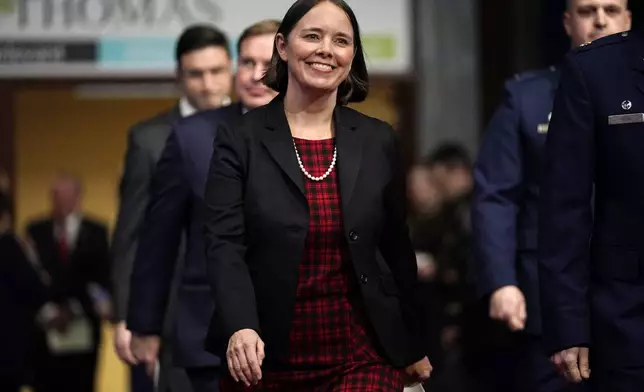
x=55, y=130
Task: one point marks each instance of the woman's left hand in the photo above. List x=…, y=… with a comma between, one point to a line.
x=418, y=372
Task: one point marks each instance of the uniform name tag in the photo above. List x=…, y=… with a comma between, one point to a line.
x=626, y=118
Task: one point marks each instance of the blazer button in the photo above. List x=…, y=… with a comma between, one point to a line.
x=353, y=236
x=364, y=278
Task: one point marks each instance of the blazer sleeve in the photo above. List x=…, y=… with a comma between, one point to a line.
x=565, y=215
x=159, y=242
x=134, y=196
x=498, y=180
x=224, y=234
x=398, y=252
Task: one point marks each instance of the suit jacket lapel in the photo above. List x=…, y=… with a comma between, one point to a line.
x=279, y=142
x=349, y=144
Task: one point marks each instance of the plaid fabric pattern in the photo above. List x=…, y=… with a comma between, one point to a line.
x=330, y=341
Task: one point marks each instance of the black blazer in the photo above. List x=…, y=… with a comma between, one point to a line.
x=257, y=219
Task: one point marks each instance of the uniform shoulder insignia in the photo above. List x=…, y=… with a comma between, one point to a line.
x=608, y=40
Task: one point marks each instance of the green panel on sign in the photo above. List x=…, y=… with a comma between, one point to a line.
x=379, y=46
x=7, y=6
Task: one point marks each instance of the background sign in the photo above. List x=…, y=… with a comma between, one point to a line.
x=96, y=38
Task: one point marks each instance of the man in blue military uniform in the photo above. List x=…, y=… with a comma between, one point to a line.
x=504, y=208
x=591, y=263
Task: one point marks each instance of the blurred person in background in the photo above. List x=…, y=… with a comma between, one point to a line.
x=426, y=234
x=73, y=250
x=204, y=76
x=426, y=203
x=451, y=167
x=176, y=205
x=22, y=293
x=424, y=195
x=504, y=208
x=441, y=238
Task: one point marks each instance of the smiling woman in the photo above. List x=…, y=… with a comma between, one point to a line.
x=307, y=247
x=320, y=48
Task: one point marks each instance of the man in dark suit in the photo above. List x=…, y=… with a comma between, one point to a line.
x=204, y=74
x=590, y=261
x=73, y=250
x=504, y=208
x=176, y=205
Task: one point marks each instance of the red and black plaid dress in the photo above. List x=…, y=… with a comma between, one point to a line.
x=331, y=346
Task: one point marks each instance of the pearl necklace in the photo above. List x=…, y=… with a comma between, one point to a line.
x=306, y=173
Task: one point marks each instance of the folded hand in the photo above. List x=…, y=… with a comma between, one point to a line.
x=507, y=305
x=418, y=372
x=245, y=356
x=573, y=364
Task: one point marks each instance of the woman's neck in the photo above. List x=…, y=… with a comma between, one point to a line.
x=309, y=116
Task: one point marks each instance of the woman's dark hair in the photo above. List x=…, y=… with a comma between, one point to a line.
x=355, y=88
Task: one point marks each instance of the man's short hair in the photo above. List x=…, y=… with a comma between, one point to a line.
x=267, y=26
x=198, y=37
x=451, y=155
x=569, y=4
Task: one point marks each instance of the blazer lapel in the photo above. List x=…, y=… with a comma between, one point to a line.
x=349, y=144
x=279, y=142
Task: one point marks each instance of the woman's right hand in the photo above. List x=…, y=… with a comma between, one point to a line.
x=245, y=355
x=418, y=372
